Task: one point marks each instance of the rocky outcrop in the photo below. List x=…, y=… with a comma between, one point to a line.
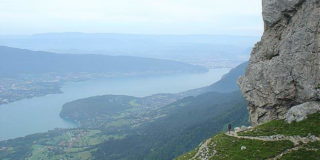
x=284, y=68
x=300, y=112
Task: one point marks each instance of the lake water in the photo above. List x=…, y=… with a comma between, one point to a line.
x=41, y=114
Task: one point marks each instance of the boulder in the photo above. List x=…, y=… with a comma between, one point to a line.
x=300, y=112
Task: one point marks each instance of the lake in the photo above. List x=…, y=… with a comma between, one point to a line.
x=41, y=114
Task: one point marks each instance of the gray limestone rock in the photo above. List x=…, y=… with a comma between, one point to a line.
x=274, y=10
x=284, y=68
x=300, y=112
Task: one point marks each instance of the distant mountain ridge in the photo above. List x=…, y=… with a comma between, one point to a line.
x=218, y=50
x=15, y=61
x=228, y=83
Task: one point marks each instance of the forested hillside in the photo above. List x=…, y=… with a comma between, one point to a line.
x=185, y=124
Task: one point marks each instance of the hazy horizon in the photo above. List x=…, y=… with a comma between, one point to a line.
x=166, y=17
x=127, y=33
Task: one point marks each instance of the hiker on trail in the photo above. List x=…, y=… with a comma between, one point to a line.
x=229, y=128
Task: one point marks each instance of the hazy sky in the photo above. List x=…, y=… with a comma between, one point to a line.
x=131, y=16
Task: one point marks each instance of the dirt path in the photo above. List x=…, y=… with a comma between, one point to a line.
x=298, y=141
x=205, y=153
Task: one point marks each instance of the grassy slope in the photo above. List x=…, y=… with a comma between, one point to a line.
x=229, y=148
x=308, y=152
x=303, y=128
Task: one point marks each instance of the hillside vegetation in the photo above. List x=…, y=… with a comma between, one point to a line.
x=276, y=140
x=184, y=124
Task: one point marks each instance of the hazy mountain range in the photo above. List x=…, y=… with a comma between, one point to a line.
x=15, y=61
x=207, y=50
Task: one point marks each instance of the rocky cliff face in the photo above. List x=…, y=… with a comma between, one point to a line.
x=284, y=69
